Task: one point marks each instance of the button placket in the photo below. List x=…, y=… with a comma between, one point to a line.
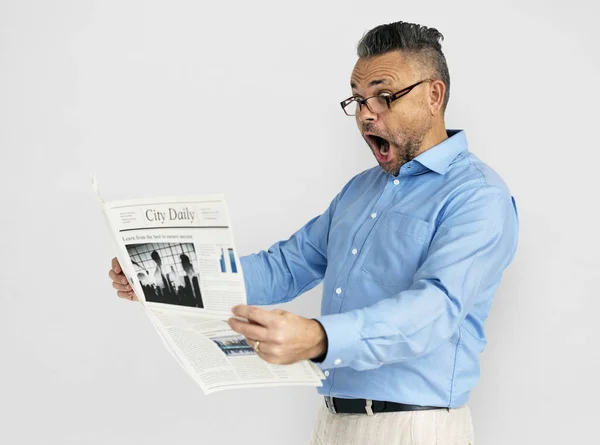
x=391, y=188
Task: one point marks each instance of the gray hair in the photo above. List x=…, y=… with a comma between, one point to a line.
x=420, y=43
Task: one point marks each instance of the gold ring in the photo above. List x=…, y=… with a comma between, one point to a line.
x=256, y=345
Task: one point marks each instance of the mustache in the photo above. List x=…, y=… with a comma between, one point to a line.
x=368, y=127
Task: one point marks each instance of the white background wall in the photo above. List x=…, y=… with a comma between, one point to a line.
x=241, y=97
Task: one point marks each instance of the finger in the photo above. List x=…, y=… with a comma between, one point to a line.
x=121, y=287
x=128, y=296
x=253, y=313
x=115, y=265
x=251, y=342
x=247, y=329
x=125, y=295
x=261, y=347
x=265, y=349
x=117, y=278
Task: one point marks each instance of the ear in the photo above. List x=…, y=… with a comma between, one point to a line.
x=437, y=91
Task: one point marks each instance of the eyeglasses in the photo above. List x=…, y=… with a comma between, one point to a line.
x=376, y=104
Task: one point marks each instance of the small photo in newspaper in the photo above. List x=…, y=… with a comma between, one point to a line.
x=168, y=273
x=234, y=345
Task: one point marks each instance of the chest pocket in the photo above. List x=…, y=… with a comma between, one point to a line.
x=398, y=246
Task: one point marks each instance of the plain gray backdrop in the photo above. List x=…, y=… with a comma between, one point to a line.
x=242, y=98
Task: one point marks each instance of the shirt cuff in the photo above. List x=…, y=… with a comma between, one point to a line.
x=343, y=340
x=318, y=360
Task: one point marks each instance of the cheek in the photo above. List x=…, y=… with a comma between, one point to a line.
x=419, y=112
x=404, y=121
x=395, y=125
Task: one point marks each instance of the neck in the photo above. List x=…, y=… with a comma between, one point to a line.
x=435, y=136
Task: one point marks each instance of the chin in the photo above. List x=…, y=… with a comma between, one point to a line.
x=390, y=167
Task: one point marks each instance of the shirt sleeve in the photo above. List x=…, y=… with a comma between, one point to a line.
x=289, y=268
x=474, y=242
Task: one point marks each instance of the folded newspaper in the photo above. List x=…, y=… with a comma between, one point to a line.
x=179, y=257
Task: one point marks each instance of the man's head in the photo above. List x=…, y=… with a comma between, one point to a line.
x=156, y=257
x=391, y=58
x=186, y=263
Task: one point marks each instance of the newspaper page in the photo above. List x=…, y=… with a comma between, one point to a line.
x=179, y=257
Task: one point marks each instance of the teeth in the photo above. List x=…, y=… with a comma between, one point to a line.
x=384, y=147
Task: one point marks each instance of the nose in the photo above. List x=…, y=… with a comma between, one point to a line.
x=365, y=114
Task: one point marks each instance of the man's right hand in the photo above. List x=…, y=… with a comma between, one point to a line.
x=119, y=282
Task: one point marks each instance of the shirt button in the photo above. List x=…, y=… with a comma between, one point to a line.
x=373, y=215
x=326, y=373
x=338, y=290
x=396, y=182
x=337, y=361
x=354, y=251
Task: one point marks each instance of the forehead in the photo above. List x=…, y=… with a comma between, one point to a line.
x=389, y=69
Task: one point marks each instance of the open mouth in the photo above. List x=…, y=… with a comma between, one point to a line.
x=380, y=146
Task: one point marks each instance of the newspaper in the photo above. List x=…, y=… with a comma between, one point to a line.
x=179, y=258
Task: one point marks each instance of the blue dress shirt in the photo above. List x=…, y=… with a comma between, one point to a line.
x=409, y=265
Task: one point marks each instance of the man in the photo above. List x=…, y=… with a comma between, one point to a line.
x=410, y=253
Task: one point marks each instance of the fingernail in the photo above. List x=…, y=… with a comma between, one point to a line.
x=124, y=281
x=128, y=287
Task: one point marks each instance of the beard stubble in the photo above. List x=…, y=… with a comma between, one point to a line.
x=405, y=146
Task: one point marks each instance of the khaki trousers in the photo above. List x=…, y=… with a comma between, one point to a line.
x=433, y=427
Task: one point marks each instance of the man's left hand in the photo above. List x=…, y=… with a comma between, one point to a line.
x=283, y=337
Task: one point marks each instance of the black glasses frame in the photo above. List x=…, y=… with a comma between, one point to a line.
x=389, y=98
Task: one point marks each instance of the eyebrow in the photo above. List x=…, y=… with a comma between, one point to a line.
x=373, y=83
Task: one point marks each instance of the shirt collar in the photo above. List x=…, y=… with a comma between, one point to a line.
x=439, y=157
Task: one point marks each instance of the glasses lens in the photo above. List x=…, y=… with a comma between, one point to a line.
x=378, y=104
x=351, y=108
